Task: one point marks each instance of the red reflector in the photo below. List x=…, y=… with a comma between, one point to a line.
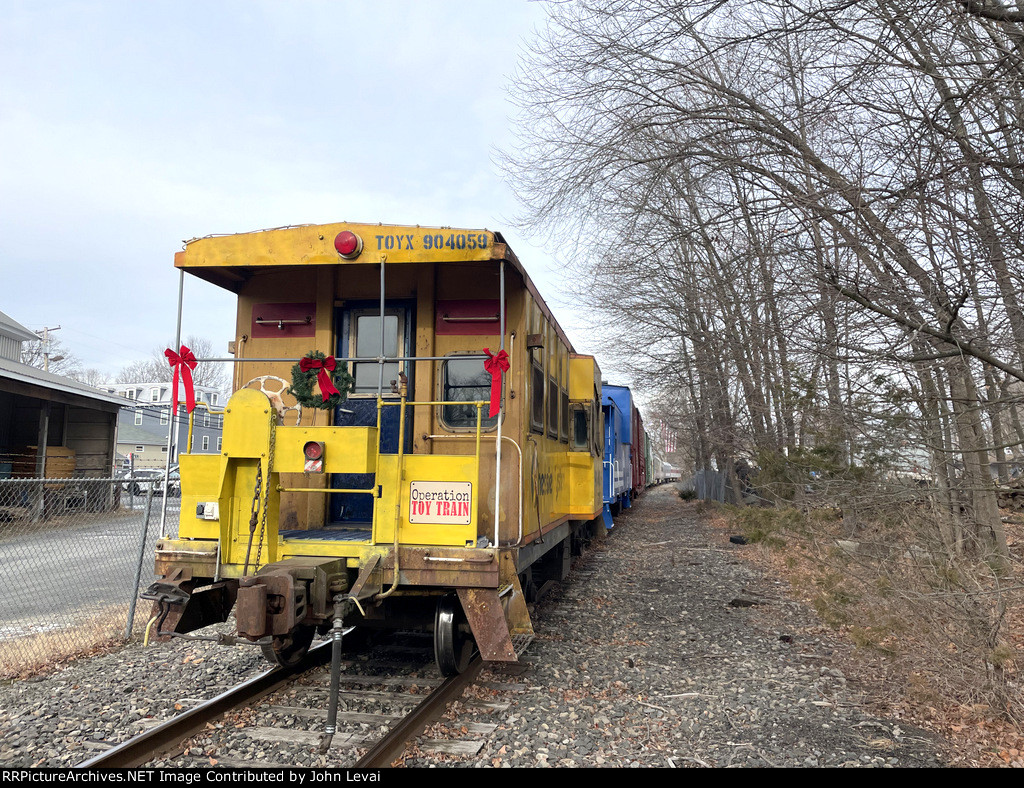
x=348, y=244
x=313, y=450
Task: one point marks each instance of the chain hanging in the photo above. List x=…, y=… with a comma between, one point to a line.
x=266, y=487
x=253, y=516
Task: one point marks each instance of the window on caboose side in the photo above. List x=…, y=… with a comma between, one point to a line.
x=552, y=408
x=563, y=434
x=580, y=428
x=536, y=397
x=465, y=380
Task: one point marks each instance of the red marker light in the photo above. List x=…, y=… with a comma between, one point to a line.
x=313, y=450
x=348, y=244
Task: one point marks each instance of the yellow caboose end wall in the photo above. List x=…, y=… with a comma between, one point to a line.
x=276, y=272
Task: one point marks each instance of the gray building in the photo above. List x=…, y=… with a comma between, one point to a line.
x=146, y=418
x=50, y=425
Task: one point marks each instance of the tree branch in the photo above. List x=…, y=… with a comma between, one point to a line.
x=943, y=336
x=997, y=13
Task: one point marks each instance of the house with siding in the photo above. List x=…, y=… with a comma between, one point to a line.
x=50, y=425
x=146, y=419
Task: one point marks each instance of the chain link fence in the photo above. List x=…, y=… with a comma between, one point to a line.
x=708, y=484
x=73, y=556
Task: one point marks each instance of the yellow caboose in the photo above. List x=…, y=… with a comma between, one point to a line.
x=457, y=469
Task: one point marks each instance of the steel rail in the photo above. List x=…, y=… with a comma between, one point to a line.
x=162, y=738
x=384, y=752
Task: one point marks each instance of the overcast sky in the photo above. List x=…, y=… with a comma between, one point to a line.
x=127, y=127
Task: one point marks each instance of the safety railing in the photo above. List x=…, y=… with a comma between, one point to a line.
x=404, y=404
x=381, y=404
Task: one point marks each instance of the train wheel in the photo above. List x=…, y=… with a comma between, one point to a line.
x=453, y=643
x=528, y=585
x=580, y=541
x=287, y=651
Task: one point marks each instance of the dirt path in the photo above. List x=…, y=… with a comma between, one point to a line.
x=665, y=649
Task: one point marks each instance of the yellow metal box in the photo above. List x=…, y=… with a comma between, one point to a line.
x=346, y=449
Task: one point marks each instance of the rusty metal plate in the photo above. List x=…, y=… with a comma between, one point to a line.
x=487, y=620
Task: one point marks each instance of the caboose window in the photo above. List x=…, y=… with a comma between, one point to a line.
x=563, y=433
x=580, y=429
x=537, y=398
x=552, y=408
x=465, y=380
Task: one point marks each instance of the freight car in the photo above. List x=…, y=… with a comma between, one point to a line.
x=638, y=451
x=617, y=473
x=412, y=441
x=626, y=451
x=650, y=460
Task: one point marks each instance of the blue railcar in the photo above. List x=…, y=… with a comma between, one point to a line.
x=617, y=404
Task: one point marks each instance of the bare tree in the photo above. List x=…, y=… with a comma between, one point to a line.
x=794, y=193
x=51, y=355
x=92, y=377
x=804, y=220
x=157, y=368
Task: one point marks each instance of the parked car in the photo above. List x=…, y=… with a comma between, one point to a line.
x=141, y=479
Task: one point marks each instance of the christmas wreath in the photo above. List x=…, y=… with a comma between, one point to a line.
x=333, y=379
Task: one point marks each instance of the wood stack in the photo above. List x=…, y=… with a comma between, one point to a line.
x=60, y=463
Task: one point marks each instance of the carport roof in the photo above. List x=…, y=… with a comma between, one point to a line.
x=12, y=328
x=58, y=387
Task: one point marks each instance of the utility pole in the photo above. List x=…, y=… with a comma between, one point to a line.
x=45, y=333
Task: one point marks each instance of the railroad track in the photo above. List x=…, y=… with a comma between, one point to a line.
x=382, y=702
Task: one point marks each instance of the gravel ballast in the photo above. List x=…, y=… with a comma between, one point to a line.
x=663, y=649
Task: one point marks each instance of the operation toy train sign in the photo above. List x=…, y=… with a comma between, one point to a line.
x=442, y=503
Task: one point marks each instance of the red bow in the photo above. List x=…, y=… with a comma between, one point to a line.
x=183, y=361
x=496, y=365
x=327, y=365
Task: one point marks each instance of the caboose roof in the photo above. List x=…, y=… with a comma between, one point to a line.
x=229, y=261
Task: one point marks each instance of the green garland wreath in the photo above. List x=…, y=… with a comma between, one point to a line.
x=302, y=384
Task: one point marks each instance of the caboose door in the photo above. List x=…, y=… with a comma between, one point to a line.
x=360, y=337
